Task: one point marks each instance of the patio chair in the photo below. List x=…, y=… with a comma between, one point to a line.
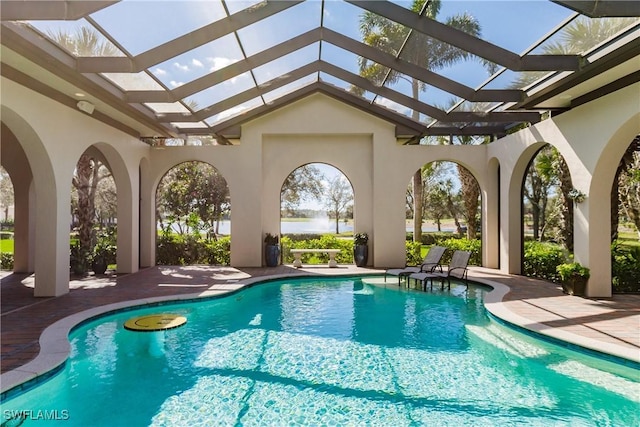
x=429, y=264
x=457, y=269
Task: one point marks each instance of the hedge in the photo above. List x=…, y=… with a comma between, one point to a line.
x=541, y=260
x=175, y=249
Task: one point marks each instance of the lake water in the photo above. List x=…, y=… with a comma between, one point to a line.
x=320, y=226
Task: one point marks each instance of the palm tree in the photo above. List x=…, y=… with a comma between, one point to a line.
x=578, y=37
x=416, y=48
x=85, y=42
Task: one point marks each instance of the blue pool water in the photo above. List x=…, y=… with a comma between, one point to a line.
x=339, y=351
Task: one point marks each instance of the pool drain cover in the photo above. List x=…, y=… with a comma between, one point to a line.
x=155, y=322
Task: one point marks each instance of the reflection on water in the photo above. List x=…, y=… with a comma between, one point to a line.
x=317, y=225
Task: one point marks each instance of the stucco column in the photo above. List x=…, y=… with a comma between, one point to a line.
x=589, y=249
x=490, y=217
x=21, y=226
x=52, y=249
x=147, y=213
x=247, y=193
x=127, y=209
x=510, y=224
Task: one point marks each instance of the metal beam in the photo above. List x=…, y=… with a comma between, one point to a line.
x=227, y=72
x=420, y=73
x=242, y=97
x=466, y=41
x=52, y=59
x=36, y=10
x=624, y=53
x=322, y=66
x=603, y=8
x=341, y=95
x=429, y=110
x=187, y=42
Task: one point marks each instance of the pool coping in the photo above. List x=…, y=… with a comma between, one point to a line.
x=55, y=346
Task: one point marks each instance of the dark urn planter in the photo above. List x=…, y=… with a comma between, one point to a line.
x=272, y=255
x=361, y=255
x=99, y=266
x=575, y=285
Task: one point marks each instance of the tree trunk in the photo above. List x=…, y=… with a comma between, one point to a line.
x=418, y=207
x=470, y=195
x=566, y=211
x=535, y=221
x=85, y=212
x=418, y=187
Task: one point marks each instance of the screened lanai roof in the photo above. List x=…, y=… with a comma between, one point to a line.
x=175, y=69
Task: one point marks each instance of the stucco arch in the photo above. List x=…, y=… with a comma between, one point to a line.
x=511, y=242
x=491, y=218
x=597, y=208
x=15, y=162
x=51, y=260
x=481, y=178
x=315, y=163
x=127, y=209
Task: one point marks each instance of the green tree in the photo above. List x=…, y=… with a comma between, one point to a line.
x=304, y=183
x=538, y=181
x=339, y=196
x=628, y=186
x=436, y=206
x=193, y=196
x=578, y=37
x=416, y=48
x=6, y=192
x=85, y=42
x=214, y=199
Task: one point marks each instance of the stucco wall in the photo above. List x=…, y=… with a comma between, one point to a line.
x=318, y=128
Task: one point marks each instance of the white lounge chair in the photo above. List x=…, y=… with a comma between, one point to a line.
x=457, y=269
x=430, y=263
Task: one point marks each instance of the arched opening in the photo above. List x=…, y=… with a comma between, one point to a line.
x=193, y=216
x=93, y=215
x=547, y=219
x=7, y=206
x=316, y=211
x=625, y=222
x=449, y=212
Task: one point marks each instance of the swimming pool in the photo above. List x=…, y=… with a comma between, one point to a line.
x=330, y=351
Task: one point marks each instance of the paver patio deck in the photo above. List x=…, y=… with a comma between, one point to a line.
x=604, y=324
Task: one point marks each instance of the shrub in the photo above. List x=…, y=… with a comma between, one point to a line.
x=219, y=251
x=175, y=249
x=414, y=255
x=326, y=241
x=625, y=266
x=6, y=261
x=542, y=259
x=572, y=269
x=297, y=237
x=458, y=244
x=360, y=239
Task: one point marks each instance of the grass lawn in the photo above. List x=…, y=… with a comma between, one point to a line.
x=6, y=246
x=628, y=238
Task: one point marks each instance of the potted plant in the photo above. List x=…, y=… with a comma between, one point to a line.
x=104, y=253
x=78, y=260
x=574, y=278
x=360, y=249
x=272, y=249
